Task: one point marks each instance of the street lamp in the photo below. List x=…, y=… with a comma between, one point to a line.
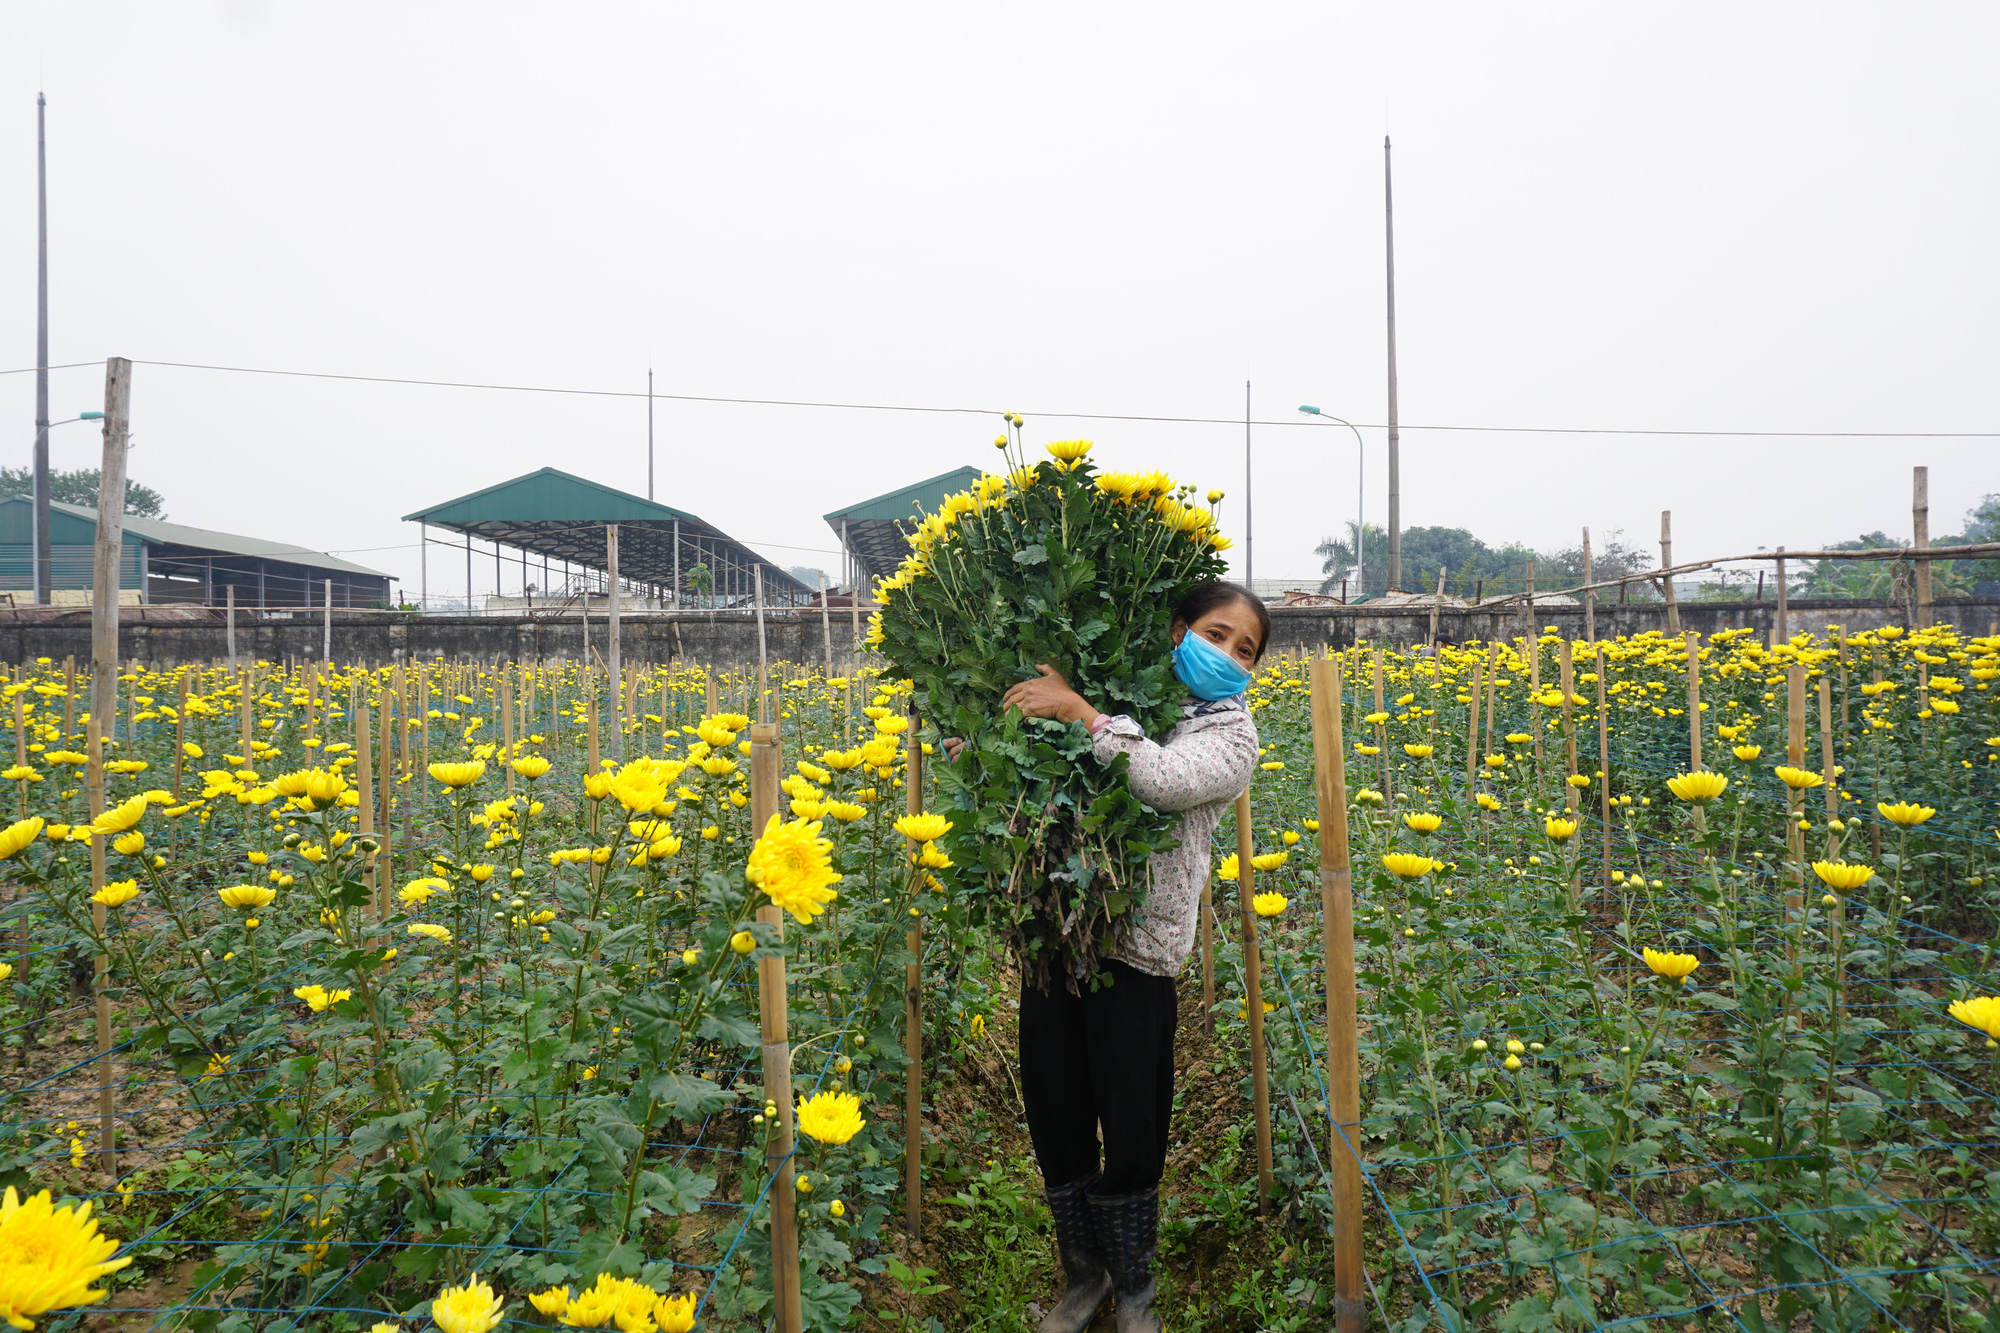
x=1360, y=493
x=40, y=507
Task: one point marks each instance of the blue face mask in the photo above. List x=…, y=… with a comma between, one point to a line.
x=1207, y=671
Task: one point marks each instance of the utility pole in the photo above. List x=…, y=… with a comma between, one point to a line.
x=1395, y=463
x=649, y=432
x=42, y=553
x=1246, y=490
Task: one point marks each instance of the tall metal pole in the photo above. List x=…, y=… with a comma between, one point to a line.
x=1395, y=463
x=1246, y=491
x=42, y=580
x=649, y=432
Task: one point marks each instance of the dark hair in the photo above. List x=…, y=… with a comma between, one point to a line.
x=1206, y=597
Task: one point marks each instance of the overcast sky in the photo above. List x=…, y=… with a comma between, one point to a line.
x=1705, y=217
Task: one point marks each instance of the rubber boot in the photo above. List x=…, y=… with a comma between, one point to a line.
x=1076, y=1240
x=1127, y=1228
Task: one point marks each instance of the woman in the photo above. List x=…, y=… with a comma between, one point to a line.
x=1102, y=1062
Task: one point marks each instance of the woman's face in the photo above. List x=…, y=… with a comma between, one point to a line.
x=1232, y=627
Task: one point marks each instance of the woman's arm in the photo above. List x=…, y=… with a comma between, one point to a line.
x=1210, y=764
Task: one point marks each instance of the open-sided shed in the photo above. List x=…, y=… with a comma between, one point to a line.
x=173, y=564
x=565, y=519
x=874, y=533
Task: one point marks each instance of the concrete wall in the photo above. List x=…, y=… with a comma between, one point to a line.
x=731, y=638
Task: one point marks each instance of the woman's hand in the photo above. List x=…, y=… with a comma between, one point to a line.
x=1049, y=695
x=953, y=748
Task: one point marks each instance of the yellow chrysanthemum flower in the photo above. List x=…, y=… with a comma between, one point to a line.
x=442, y=934
x=1408, y=865
x=675, y=1314
x=1423, y=821
x=1227, y=871
x=830, y=1118
x=1559, y=830
x=472, y=1308
x=1798, y=779
x=120, y=817
x=1841, y=875
x=1270, y=904
x=1906, y=813
x=793, y=865
x=16, y=837
x=531, y=766
x=1068, y=451
x=1419, y=751
x=1747, y=753
x=459, y=774
x=117, y=893
x=923, y=828
x=248, y=897
x=1673, y=966
x=1980, y=1011
x=1698, y=788
x=49, y=1256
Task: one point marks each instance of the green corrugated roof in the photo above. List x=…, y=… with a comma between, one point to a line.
x=548, y=496
x=179, y=534
x=897, y=506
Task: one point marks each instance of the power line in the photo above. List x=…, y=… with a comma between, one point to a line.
x=1052, y=416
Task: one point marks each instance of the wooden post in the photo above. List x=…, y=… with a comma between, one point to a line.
x=385, y=876
x=913, y=1017
x=825, y=627
x=1603, y=761
x=763, y=652
x=1783, y=623
x=1534, y=647
x=364, y=787
x=1693, y=642
x=506, y=702
x=788, y=1311
x=1253, y=1000
x=1437, y=602
x=1667, y=562
x=1920, y=536
x=1472, y=729
x=1795, y=755
x=232, y=626
x=180, y=729
x=1589, y=594
x=613, y=664
x=107, y=1071
x=1343, y=1049
x=1566, y=676
x=110, y=544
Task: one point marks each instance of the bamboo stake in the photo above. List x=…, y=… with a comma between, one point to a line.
x=1566, y=677
x=1492, y=689
x=107, y=1070
x=1472, y=729
x=913, y=1017
x=1603, y=761
x=364, y=787
x=1795, y=838
x=774, y=1018
x=1343, y=1047
x=1253, y=1002
x=21, y=748
x=1693, y=642
x=386, y=876
x=507, y=726
x=1533, y=644
x=1828, y=771
x=180, y=732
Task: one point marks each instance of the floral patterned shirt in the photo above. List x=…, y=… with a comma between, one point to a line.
x=1206, y=761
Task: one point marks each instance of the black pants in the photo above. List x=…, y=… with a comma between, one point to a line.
x=1103, y=1058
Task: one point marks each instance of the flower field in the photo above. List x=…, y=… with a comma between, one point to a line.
x=419, y=973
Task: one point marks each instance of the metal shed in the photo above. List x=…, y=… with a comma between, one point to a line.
x=874, y=533
x=563, y=520
x=174, y=564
